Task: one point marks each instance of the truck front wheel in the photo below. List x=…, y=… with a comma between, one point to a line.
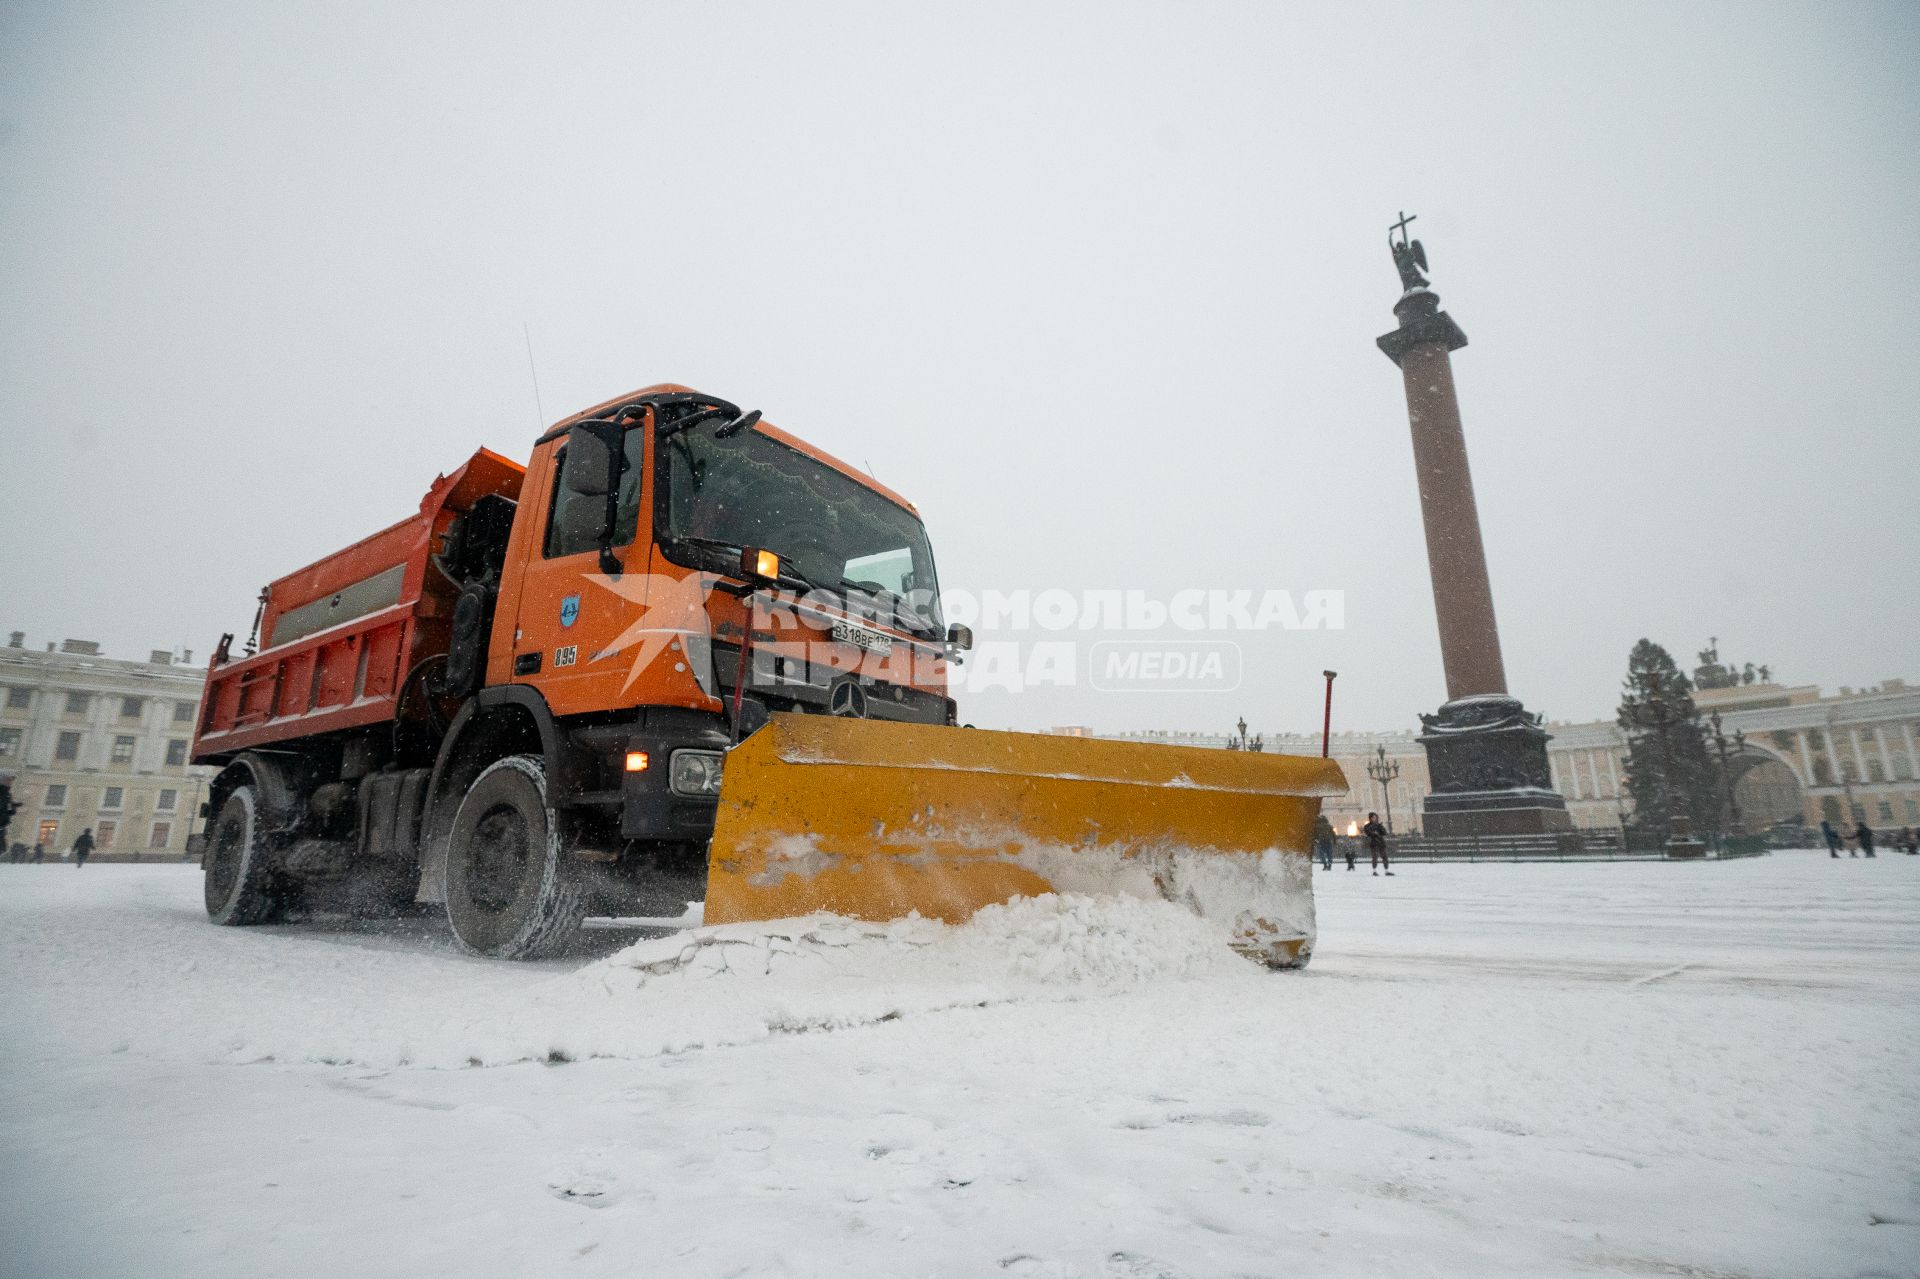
x=241, y=888
x=511, y=893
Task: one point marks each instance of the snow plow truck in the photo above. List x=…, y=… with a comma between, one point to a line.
x=683, y=656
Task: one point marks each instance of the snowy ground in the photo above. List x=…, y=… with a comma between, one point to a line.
x=1538, y=1070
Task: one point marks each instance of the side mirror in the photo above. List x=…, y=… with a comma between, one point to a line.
x=959, y=637
x=596, y=452
x=592, y=465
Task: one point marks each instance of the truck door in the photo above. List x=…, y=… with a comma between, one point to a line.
x=571, y=615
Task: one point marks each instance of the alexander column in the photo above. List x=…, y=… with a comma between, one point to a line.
x=1486, y=756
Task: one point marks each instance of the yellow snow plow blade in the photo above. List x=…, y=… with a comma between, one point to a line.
x=876, y=820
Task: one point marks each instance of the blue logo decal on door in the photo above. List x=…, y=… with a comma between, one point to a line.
x=569, y=610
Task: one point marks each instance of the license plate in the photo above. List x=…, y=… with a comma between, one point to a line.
x=862, y=637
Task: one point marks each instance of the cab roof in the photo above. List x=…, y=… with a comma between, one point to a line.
x=763, y=426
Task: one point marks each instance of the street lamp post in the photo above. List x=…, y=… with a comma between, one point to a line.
x=1383, y=770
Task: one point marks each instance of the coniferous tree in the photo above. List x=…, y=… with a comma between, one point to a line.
x=1669, y=770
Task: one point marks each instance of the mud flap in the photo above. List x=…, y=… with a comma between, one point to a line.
x=876, y=820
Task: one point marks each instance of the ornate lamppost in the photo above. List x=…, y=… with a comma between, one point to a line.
x=1383, y=770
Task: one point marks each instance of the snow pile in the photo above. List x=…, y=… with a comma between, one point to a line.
x=1110, y=942
x=160, y=982
x=736, y=983
x=1051, y=940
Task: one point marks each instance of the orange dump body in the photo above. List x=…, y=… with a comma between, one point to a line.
x=340, y=637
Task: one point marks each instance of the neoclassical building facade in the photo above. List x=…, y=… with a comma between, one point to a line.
x=1793, y=753
x=101, y=744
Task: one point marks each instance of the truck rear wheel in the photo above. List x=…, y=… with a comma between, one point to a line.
x=241, y=888
x=511, y=893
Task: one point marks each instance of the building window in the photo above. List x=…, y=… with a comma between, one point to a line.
x=182, y=712
x=19, y=699
x=1902, y=767
x=1859, y=812
x=103, y=834
x=1875, y=773
x=1783, y=739
x=162, y=835
x=1886, y=811
x=176, y=752
x=115, y=797
x=77, y=703
x=56, y=796
x=9, y=742
x=48, y=830
x=1913, y=809
x=68, y=747
x=168, y=799
x=1822, y=771
x=123, y=750
x=1816, y=740
x=130, y=707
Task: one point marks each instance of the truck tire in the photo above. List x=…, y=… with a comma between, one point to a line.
x=241, y=888
x=511, y=893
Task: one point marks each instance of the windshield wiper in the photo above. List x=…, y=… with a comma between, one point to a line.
x=909, y=621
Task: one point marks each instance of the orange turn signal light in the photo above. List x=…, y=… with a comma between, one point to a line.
x=637, y=761
x=760, y=565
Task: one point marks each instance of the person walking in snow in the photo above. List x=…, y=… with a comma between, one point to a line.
x=1377, y=844
x=1864, y=833
x=39, y=851
x=1323, y=841
x=1909, y=841
x=1832, y=837
x=83, y=847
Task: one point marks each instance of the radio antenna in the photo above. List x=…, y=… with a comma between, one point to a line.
x=539, y=412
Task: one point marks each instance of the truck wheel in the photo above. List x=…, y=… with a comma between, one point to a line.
x=510, y=892
x=240, y=887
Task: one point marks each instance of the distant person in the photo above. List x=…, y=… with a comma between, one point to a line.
x=1352, y=850
x=1909, y=841
x=39, y=851
x=18, y=853
x=1832, y=837
x=1864, y=833
x=83, y=847
x=1323, y=841
x=1377, y=844
x=8, y=806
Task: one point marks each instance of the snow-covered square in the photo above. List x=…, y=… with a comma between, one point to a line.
x=1636, y=1068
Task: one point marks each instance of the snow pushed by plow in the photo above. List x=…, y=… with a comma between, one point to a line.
x=312, y=993
x=1054, y=940
x=736, y=983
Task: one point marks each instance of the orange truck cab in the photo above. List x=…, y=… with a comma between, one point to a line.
x=518, y=701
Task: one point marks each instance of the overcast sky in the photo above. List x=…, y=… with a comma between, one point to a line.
x=1096, y=285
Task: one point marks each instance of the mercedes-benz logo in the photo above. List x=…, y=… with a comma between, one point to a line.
x=847, y=700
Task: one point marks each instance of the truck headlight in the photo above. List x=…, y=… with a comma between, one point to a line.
x=695, y=773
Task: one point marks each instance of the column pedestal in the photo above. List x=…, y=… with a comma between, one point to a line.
x=1487, y=760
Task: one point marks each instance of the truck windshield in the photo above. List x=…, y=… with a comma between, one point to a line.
x=752, y=490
